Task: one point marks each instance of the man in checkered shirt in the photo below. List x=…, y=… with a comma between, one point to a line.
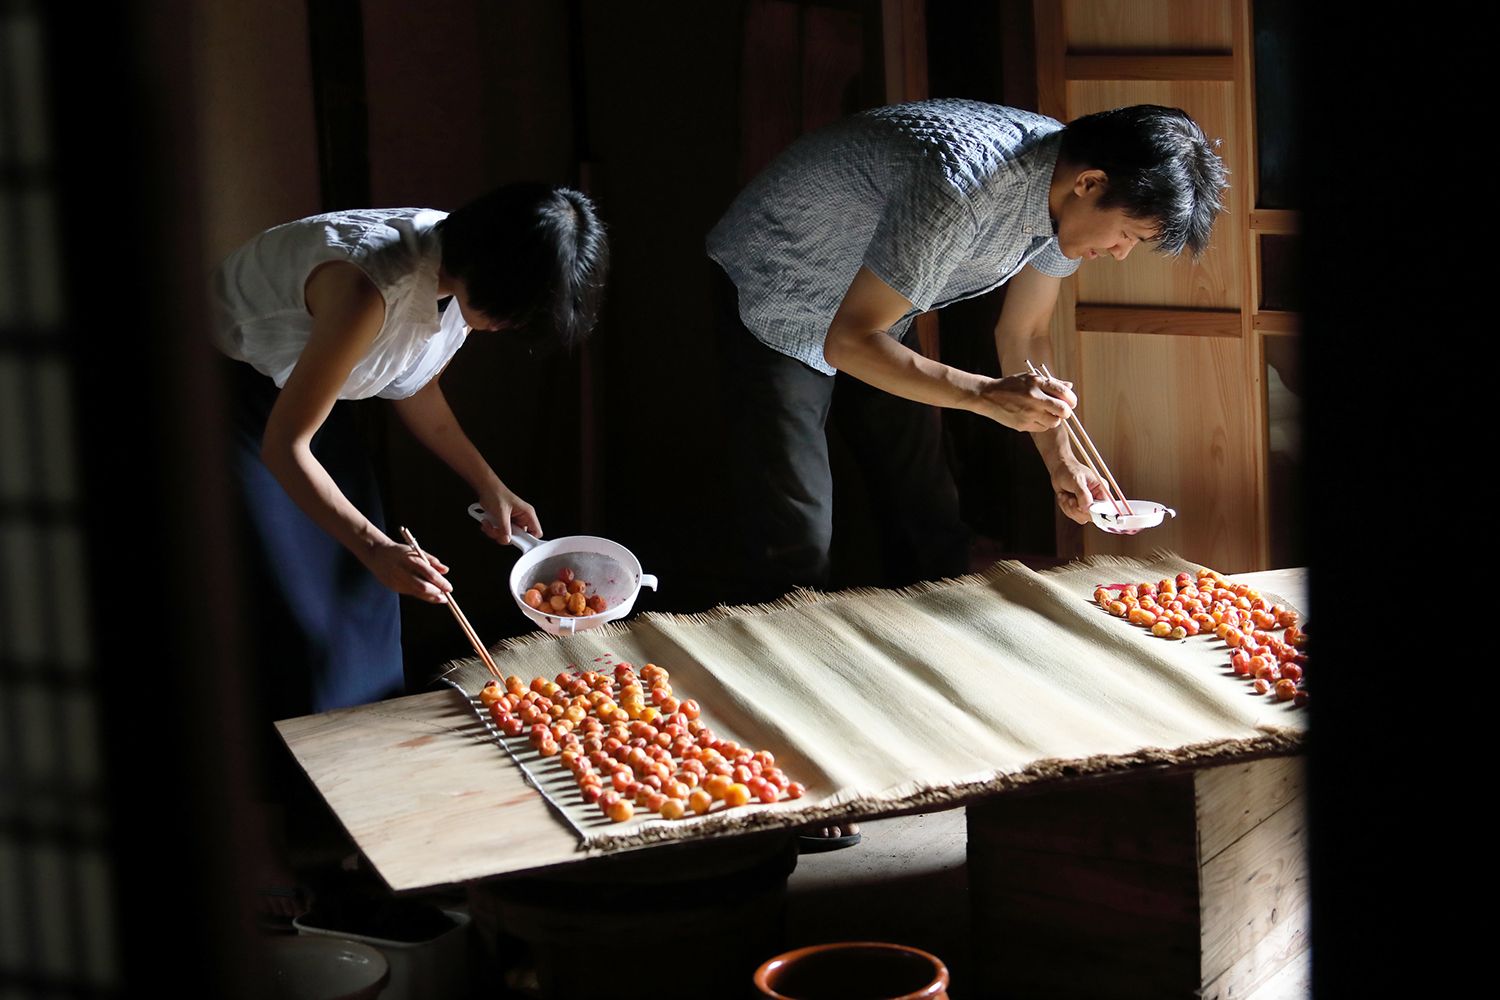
x=855, y=229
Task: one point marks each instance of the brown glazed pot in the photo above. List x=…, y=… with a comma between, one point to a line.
x=868, y=970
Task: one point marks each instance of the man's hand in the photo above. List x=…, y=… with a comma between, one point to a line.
x=1027, y=402
x=1076, y=487
x=404, y=570
x=504, y=508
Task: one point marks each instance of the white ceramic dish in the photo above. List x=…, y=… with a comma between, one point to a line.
x=420, y=970
x=1148, y=514
x=325, y=968
x=611, y=569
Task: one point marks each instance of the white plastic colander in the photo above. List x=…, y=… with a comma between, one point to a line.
x=611, y=569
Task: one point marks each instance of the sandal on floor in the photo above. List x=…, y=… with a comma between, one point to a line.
x=815, y=843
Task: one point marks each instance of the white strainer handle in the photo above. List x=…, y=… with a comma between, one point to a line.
x=648, y=580
x=520, y=538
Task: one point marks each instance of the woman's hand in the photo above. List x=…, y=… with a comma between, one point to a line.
x=1076, y=487
x=431, y=420
x=406, y=571
x=1027, y=402
x=504, y=509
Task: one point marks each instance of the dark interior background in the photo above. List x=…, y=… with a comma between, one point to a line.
x=660, y=111
x=174, y=130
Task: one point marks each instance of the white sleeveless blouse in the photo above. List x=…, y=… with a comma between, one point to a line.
x=261, y=317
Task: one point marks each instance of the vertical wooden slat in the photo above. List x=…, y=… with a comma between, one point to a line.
x=1245, y=168
x=1051, y=50
x=832, y=61
x=1052, y=91
x=771, y=85
x=1067, y=352
x=904, y=33
x=336, y=40
x=904, y=28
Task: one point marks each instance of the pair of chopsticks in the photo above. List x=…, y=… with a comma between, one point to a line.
x=1075, y=432
x=463, y=622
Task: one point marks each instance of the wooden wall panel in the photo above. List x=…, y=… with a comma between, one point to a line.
x=1175, y=419
x=1262, y=876
x=1093, y=890
x=770, y=101
x=1146, y=278
x=904, y=35
x=258, y=145
x=1147, y=26
x=833, y=55
x=419, y=59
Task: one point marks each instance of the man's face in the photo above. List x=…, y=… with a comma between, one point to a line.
x=1085, y=230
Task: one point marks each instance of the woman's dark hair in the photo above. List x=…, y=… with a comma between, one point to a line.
x=1160, y=167
x=532, y=255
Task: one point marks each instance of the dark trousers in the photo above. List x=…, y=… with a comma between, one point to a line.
x=779, y=411
x=324, y=632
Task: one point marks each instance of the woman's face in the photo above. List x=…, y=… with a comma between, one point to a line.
x=475, y=319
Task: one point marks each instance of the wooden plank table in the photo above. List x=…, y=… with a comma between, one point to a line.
x=430, y=801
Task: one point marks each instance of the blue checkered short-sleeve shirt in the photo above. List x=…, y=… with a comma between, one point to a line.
x=942, y=199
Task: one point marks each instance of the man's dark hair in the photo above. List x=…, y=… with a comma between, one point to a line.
x=532, y=255
x=1160, y=166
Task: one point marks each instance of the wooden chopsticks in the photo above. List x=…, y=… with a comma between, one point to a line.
x=1105, y=476
x=463, y=622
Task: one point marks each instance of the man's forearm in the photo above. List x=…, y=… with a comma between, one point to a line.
x=1014, y=349
x=875, y=357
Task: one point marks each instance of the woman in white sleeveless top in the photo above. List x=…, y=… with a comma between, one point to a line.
x=356, y=304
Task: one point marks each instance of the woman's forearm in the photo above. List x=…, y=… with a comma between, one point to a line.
x=432, y=422
x=313, y=490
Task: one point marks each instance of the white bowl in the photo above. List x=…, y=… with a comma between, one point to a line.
x=325, y=968
x=1147, y=514
x=436, y=969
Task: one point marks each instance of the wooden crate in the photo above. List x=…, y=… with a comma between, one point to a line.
x=1190, y=884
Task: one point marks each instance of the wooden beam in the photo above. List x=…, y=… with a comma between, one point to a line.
x=1051, y=43
x=1170, y=322
x=1246, y=155
x=1278, y=322
x=904, y=29
x=1274, y=221
x=1142, y=66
